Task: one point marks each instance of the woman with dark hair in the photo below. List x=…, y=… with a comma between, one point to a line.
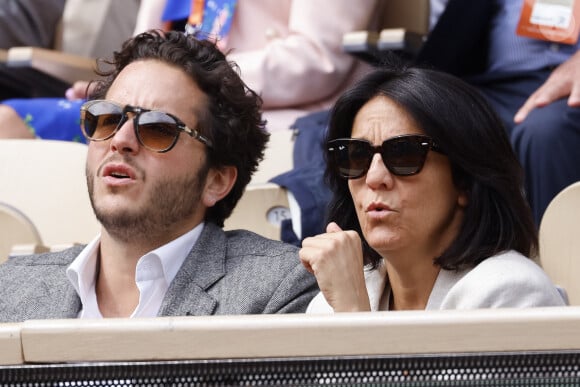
x=428, y=210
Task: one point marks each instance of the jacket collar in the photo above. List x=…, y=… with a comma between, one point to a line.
x=58, y=298
x=205, y=265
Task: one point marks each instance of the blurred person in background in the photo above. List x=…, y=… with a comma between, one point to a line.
x=524, y=59
x=24, y=23
x=289, y=51
x=90, y=28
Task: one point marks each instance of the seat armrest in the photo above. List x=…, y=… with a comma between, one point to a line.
x=361, y=44
x=373, y=47
x=401, y=29
x=62, y=66
x=401, y=40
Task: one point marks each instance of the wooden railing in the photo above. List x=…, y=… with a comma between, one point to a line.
x=537, y=346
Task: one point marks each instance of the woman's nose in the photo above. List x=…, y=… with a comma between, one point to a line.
x=378, y=173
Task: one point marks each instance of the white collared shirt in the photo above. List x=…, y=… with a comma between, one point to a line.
x=155, y=271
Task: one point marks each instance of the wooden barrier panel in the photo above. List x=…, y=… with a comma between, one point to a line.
x=10, y=345
x=274, y=336
x=494, y=347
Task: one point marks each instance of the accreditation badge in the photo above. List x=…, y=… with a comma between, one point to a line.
x=217, y=20
x=551, y=20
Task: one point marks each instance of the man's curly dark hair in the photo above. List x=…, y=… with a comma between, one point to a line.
x=233, y=120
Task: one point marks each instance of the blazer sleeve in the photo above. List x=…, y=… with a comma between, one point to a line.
x=294, y=292
x=509, y=280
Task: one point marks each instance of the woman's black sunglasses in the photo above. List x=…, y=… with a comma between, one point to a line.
x=156, y=130
x=403, y=155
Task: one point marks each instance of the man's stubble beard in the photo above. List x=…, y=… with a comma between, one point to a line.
x=171, y=200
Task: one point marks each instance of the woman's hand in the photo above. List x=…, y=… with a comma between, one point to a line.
x=335, y=259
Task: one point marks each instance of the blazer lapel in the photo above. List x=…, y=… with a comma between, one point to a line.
x=57, y=297
x=446, y=279
x=54, y=297
x=187, y=295
x=68, y=303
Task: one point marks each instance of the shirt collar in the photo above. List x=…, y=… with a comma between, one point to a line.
x=174, y=253
x=82, y=271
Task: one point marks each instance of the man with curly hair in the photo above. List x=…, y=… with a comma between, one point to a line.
x=174, y=137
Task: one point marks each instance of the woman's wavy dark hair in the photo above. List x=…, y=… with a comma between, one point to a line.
x=233, y=121
x=461, y=122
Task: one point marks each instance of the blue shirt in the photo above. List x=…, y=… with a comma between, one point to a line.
x=511, y=52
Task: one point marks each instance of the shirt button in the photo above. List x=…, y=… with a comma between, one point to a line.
x=555, y=47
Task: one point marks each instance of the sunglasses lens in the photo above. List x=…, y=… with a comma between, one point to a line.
x=157, y=130
x=405, y=156
x=100, y=120
x=351, y=157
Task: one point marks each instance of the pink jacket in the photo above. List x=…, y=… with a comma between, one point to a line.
x=290, y=51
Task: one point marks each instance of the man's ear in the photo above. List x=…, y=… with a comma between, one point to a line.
x=218, y=184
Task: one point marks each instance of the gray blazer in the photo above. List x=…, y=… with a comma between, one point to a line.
x=233, y=272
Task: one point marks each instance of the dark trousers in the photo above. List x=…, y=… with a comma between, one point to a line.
x=547, y=143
